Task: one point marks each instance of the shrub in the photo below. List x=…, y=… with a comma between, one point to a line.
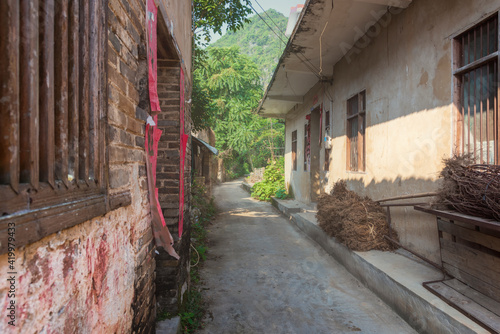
x=273, y=183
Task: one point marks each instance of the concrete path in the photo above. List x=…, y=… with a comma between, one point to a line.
x=262, y=275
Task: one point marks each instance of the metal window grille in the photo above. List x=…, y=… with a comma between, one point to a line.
x=476, y=73
x=356, y=111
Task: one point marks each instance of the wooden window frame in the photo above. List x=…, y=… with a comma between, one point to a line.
x=294, y=150
x=53, y=175
x=360, y=116
x=467, y=68
x=326, y=166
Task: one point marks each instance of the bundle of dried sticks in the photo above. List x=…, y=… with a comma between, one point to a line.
x=471, y=188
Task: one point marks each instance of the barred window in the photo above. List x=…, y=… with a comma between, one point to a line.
x=356, y=110
x=476, y=83
x=294, y=150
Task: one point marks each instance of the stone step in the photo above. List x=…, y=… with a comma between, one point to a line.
x=169, y=326
x=395, y=277
x=247, y=187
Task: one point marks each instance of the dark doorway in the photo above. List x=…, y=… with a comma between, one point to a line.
x=315, y=151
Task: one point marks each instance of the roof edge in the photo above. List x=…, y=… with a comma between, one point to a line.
x=283, y=55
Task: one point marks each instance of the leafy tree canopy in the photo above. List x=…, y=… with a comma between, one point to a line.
x=227, y=87
x=256, y=40
x=211, y=15
x=227, y=90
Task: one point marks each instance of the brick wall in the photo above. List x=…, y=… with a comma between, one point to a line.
x=168, y=171
x=126, y=140
x=99, y=276
x=173, y=275
x=127, y=67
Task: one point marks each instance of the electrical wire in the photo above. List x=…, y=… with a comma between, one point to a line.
x=290, y=84
x=270, y=18
x=198, y=261
x=320, y=43
x=321, y=50
x=309, y=66
x=281, y=39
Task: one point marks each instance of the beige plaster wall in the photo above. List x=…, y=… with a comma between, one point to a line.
x=405, y=66
x=300, y=180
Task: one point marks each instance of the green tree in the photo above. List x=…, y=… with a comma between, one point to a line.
x=212, y=15
x=227, y=91
x=256, y=40
x=227, y=85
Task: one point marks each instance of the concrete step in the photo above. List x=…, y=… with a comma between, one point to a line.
x=288, y=207
x=247, y=187
x=169, y=326
x=395, y=277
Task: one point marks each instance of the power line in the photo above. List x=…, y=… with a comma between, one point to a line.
x=310, y=66
x=270, y=18
x=251, y=6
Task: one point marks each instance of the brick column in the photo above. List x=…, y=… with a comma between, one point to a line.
x=172, y=275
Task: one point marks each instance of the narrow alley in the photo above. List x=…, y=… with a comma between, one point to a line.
x=366, y=131
x=264, y=276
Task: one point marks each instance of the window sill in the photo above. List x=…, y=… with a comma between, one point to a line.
x=356, y=172
x=32, y=225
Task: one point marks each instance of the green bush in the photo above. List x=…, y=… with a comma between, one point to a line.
x=273, y=183
x=281, y=194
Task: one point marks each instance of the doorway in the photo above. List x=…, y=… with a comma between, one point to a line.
x=315, y=146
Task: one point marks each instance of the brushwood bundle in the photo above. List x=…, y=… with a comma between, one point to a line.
x=472, y=189
x=355, y=221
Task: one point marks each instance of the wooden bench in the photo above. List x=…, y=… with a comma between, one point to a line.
x=470, y=254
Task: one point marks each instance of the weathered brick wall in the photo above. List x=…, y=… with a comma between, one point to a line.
x=173, y=275
x=126, y=67
x=167, y=178
x=98, y=277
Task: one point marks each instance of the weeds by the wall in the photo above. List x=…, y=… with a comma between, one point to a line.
x=203, y=210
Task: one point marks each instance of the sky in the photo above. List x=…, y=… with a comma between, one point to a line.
x=282, y=6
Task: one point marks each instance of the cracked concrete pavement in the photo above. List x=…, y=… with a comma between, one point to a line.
x=262, y=275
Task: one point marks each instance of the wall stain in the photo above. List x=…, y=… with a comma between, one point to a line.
x=100, y=268
x=36, y=275
x=69, y=250
x=441, y=82
x=424, y=78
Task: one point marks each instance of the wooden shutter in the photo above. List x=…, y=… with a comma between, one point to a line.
x=53, y=77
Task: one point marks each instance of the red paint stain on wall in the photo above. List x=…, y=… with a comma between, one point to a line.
x=44, y=265
x=69, y=251
x=39, y=267
x=36, y=275
x=99, y=269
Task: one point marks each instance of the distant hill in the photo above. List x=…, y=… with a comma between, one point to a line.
x=258, y=41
